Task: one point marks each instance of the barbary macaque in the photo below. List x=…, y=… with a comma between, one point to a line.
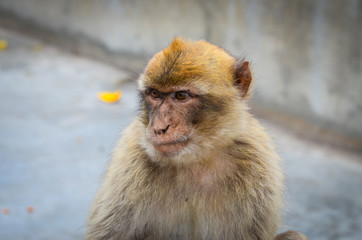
x=195, y=164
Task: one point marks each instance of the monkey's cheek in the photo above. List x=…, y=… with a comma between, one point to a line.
x=169, y=149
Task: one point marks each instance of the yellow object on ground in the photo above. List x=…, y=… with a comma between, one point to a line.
x=3, y=44
x=110, y=97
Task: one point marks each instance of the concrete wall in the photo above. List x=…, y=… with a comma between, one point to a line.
x=306, y=55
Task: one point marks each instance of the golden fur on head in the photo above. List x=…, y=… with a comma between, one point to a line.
x=185, y=62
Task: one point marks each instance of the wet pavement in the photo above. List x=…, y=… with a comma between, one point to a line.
x=56, y=138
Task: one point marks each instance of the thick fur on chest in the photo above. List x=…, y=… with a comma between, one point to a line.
x=190, y=207
x=184, y=214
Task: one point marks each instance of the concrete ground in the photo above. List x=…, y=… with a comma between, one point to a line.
x=56, y=138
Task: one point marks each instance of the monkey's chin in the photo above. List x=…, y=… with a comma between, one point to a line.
x=170, y=149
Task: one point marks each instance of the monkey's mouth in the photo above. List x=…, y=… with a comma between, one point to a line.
x=169, y=148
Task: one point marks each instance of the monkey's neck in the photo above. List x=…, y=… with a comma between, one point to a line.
x=204, y=174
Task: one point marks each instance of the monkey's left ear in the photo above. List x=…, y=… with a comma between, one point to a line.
x=242, y=77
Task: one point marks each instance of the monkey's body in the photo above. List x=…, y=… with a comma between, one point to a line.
x=211, y=201
x=195, y=165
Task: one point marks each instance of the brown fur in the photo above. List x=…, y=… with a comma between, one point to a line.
x=225, y=183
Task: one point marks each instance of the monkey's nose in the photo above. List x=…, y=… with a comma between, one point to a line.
x=161, y=131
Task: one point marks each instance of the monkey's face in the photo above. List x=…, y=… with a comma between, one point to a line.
x=191, y=101
x=171, y=115
x=183, y=123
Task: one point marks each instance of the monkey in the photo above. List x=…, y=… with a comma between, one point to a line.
x=194, y=164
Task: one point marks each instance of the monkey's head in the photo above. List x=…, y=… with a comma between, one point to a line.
x=192, y=97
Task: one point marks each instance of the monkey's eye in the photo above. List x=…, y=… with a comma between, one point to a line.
x=155, y=94
x=182, y=95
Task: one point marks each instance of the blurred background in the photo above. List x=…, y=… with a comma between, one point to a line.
x=56, y=136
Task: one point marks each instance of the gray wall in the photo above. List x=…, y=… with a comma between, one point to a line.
x=306, y=55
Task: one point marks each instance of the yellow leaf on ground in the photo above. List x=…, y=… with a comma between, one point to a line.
x=3, y=44
x=110, y=97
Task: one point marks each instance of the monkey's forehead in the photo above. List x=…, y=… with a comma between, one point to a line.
x=186, y=62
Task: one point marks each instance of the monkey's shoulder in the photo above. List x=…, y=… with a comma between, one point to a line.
x=254, y=161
